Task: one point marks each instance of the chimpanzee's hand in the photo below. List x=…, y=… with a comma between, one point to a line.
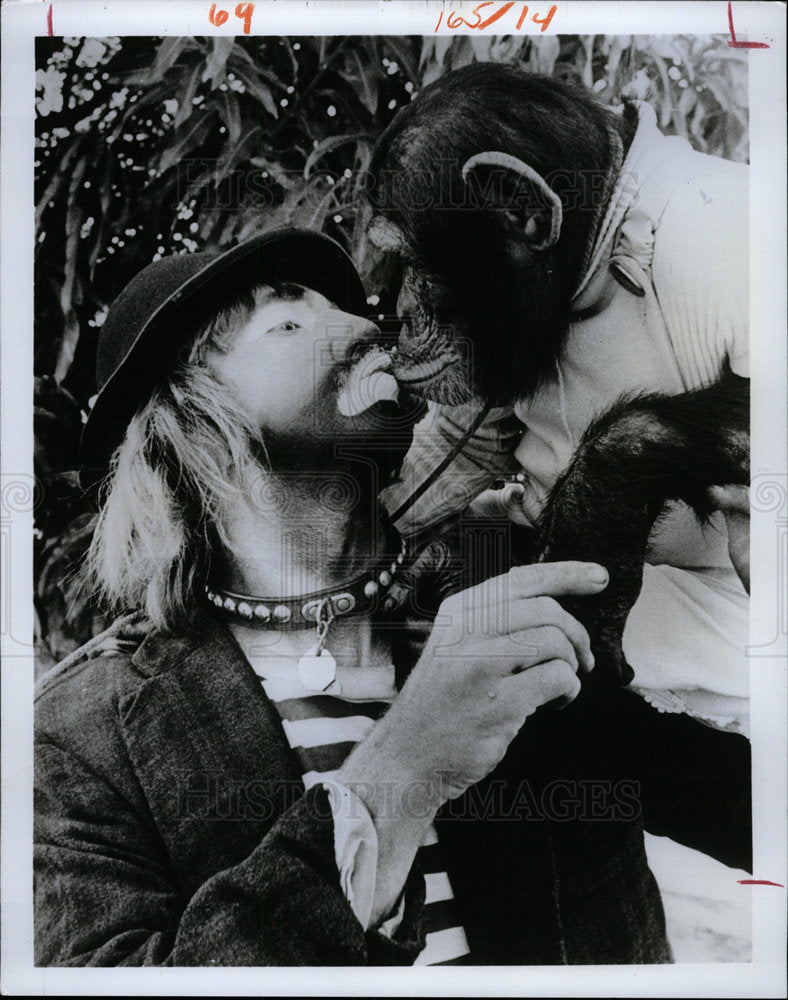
x=435, y=574
x=734, y=502
x=504, y=503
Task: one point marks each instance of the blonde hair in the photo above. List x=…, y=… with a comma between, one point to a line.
x=188, y=454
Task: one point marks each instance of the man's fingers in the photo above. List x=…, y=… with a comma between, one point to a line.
x=544, y=644
x=544, y=611
x=558, y=579
x=550, y=579
x=541, y=684
x=501, y=655
x=518, y=624
x=520, y=651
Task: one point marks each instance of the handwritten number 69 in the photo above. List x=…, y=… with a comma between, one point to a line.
x=243, y=11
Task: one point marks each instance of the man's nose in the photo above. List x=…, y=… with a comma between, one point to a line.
x=349, y=333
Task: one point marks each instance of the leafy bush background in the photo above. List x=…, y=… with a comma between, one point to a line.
x=149, y=146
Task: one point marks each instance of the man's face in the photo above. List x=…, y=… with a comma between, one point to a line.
x=308, y=372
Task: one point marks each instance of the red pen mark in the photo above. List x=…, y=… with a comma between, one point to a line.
x=455, y=20
x=742, y=45
x=49, y=21
x=217, y=17
x=544, y=21
x=494, y=17
x=243, y=11
x=759, y=881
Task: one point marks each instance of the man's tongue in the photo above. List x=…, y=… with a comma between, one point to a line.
x=368, y=383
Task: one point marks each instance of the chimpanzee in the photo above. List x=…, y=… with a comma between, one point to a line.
x=635, y=457
x=585, y=275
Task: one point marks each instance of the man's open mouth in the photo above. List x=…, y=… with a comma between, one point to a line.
x=369, y=381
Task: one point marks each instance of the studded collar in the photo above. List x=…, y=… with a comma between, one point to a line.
x=364, y=593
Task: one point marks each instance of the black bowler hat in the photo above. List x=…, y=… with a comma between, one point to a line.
x=171, y=299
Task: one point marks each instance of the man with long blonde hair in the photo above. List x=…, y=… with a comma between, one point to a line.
x=273, y=775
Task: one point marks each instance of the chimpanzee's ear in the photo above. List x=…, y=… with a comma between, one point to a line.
x=507, y=184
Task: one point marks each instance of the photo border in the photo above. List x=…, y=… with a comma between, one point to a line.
x=757, y=22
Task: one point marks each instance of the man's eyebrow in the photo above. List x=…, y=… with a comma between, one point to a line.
x=286, y=291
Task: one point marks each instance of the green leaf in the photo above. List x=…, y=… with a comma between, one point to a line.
x=315, y=218
x=186, y=97
x=481, y=45
x=56, y=182
x=105, y=200
x=368, y=84
x=546, y=50
x=461, y=52
x=400, y=46
x=288, y=47
x=231, y=116
x=724, y=95
x=241, y=62
x=70, y=290
x=428, y=52
x=235, y=154
x=145, y=100
x=285, y=178
x=166, y=56
x=188, y=137
x=687, y=101
x=258, y=90
x=215, y=65
x=331, y=143
x=267, y=100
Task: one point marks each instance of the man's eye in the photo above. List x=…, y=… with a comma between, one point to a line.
x=287, y=326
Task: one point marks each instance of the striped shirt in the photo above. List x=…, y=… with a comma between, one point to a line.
x=322, y=729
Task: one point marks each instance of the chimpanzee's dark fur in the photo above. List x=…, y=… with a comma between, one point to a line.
x=636, y=457
x=471, y=270
x=507, y=300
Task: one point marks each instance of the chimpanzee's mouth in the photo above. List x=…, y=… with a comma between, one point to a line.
x=419, y=373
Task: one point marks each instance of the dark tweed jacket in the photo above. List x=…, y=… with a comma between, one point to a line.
x=172, y=827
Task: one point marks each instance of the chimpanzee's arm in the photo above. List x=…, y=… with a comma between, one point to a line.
x=489, y=453
x=641, y=453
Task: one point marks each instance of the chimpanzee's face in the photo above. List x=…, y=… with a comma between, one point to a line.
x=471, y=314
x=433, y=354
x=491, y=260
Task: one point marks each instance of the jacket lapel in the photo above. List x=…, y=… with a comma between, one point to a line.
x=208, y=749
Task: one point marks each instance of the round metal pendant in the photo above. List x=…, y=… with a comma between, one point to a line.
x=317, y=672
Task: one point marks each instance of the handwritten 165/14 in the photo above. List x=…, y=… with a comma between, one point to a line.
x=479, y=21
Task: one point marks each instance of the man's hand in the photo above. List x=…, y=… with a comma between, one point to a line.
x=497, y=652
